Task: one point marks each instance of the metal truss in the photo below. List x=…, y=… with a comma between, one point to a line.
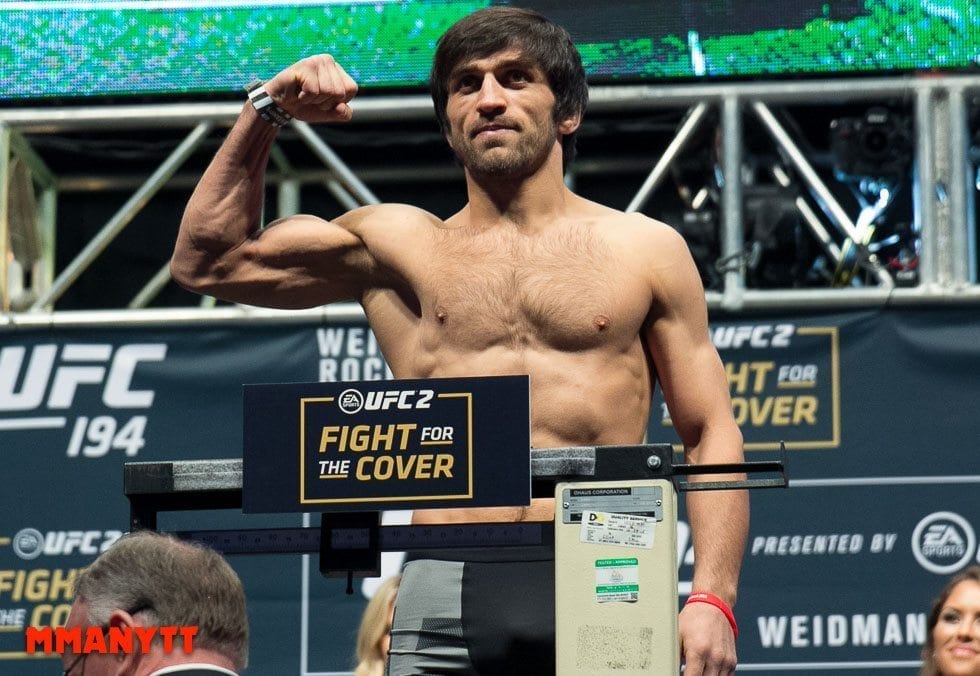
x=944, y=193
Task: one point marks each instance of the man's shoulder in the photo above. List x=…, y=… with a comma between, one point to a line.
x=388, y=216
x=636, y=227
x=606, y=215
x=646, y=244
x=393, y=234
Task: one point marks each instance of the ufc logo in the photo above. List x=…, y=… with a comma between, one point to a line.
x=78, y=364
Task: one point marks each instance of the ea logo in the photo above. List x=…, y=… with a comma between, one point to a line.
x=350, y=401
x=28, y=543
x=943, y=542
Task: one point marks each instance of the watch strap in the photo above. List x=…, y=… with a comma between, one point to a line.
x=265, y=105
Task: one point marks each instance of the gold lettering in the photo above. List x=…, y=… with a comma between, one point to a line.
x=805, y=411
x=424, y=468
x=383, y=467
x=756, y=370
x=328, y=435
x=44, y=614
x=775, y=410
x=362, y=465
x=420, y=466
x=362, y=438
x=444, y=466
x=405, y=464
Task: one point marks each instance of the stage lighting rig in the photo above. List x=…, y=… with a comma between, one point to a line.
x=873, y=158
x=781, y=251
x=697, y=182
x=875, y=146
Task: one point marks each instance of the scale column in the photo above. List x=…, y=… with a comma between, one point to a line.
x=616, y=578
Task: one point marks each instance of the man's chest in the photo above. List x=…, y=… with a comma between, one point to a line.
x=568, y=292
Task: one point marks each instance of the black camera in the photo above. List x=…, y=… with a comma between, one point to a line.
x=877, y=145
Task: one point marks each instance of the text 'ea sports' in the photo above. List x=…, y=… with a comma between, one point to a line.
x=391, y=439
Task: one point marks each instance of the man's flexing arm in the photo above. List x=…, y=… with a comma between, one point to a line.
x=299, y=261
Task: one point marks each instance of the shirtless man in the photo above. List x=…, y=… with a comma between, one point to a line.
x=527, y=278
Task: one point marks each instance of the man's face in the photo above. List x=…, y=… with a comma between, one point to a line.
x=501, y=115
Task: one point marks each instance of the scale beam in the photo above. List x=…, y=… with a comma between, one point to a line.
x=186, y=485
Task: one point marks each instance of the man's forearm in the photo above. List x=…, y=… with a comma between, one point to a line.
x=719, y=528
x=226, y=205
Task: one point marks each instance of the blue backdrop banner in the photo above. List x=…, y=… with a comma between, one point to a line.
x=878, y=411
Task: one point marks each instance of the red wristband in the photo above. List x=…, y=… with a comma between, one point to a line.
x=704, y=597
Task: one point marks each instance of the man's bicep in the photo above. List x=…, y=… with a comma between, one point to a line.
x=294, y=262
x=691, y=374
x=303, y=238
x=696, y=389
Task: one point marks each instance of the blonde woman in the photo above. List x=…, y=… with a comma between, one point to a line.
x=374, y=635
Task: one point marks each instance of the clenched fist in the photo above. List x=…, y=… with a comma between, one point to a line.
x=316, y=89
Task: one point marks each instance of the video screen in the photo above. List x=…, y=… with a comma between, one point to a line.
x=54, y=50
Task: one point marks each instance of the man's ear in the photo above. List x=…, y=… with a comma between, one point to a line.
x=125, y=663
x=122, y=619
x=569, y=124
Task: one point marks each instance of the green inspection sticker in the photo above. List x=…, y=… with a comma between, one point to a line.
x=617, y=580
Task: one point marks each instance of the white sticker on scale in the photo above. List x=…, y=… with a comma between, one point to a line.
x=617, y=580
x=621, y=530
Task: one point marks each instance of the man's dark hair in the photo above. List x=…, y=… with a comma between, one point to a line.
x=496, y=29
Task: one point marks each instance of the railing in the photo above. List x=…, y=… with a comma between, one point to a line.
x=943, y=178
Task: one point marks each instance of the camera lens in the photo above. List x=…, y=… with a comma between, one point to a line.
x=875, y=142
